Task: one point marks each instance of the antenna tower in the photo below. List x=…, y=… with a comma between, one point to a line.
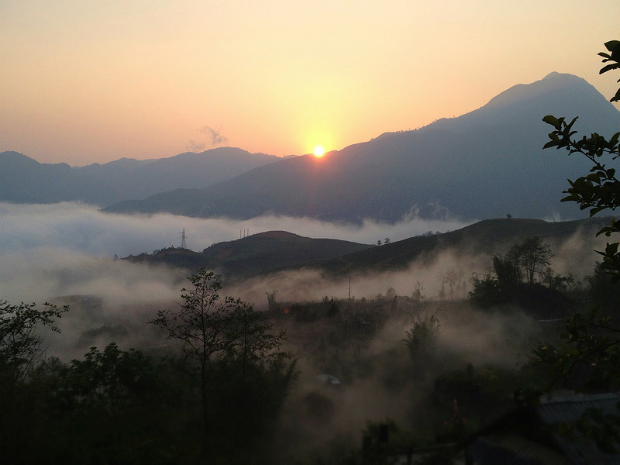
x=183, y=240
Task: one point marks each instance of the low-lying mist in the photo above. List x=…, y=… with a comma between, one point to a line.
x=351, y=327
x=67, y=249
x=82, y=228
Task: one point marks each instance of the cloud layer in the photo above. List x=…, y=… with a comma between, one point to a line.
x=82, y=228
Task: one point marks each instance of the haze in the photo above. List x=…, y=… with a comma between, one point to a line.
x=84, y=82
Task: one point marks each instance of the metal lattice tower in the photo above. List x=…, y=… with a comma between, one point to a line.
x=183, y=240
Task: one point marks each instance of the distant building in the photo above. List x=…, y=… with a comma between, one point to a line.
x=523, y=437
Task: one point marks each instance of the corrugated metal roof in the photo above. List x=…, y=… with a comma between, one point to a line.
x=570, y=408
x=521, y=438
x=512, y=449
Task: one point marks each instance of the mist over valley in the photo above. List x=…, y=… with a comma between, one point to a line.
x=375, y=304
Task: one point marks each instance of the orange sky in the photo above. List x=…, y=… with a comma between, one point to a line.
x=84, y=81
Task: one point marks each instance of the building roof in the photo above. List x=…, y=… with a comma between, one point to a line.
x=523, y=437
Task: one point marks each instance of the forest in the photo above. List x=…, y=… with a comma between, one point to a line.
x=300, y=382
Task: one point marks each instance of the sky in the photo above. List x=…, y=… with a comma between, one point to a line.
x=93, y=81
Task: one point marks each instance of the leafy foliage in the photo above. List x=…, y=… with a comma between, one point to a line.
x=22, y=388
x=526, y=264
x=422, y=337
x=111, y=378
x=599, y=190
x=592, y=344
x=590, y=356
x=226, y=337
x=20, y=345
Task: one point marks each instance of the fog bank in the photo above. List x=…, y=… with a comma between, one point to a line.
x=82, y=228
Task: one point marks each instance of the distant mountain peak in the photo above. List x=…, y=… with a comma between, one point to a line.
x=11, y=157
x=554, y=75
x=553, y=81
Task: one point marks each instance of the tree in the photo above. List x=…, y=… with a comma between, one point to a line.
x=20, y=355
x=211, y=329
x=523, y=262
x=203, y=324
x=599, y=190
x=254, y=343
x=20, y=344
x=112, y=379
x=251, y=383
x=422, y=337
x=114, y=406
x=454, y=279
x=417, y=295
x=590, y=356
x=531, y=256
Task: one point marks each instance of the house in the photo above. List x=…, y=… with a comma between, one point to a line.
x=527, y=436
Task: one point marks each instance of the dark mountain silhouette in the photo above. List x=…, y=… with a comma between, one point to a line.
x=257, y=254
x=484, y=164
x=493, y=236
x=24, y=180
x=272, y=251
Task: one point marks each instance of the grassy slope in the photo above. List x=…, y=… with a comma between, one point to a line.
x=488, y=236
x=256, y=254
x=278, y=250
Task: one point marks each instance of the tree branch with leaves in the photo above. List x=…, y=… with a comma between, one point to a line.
x=590, y=357
x=20, y=343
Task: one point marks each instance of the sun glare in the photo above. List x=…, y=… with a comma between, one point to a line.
x=319, y=151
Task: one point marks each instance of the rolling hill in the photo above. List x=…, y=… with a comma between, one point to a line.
x=253, y=255
x=483, y=164
x=273, y=251
x=493, y=236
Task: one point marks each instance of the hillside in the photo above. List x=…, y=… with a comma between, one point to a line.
x=257, y=254
x=273, y=251
x=484, y=164
x=490, y=237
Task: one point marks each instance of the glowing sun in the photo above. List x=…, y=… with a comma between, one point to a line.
x=319, y=151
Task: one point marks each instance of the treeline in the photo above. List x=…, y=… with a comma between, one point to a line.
x=219, y=390
x=523, y=276
x=215, y=401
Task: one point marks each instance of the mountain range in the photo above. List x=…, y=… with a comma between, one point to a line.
x=484, y=164
x=24, y=180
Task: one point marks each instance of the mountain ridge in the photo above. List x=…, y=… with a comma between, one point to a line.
x=25, y=180
x=274, y=251
x=483, y=164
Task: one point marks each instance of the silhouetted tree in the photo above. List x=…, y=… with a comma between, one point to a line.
x=203, y=324
x=522, y=263
x=590, y=356
x=20, y=341
x=212, y=329
x=422, y=337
